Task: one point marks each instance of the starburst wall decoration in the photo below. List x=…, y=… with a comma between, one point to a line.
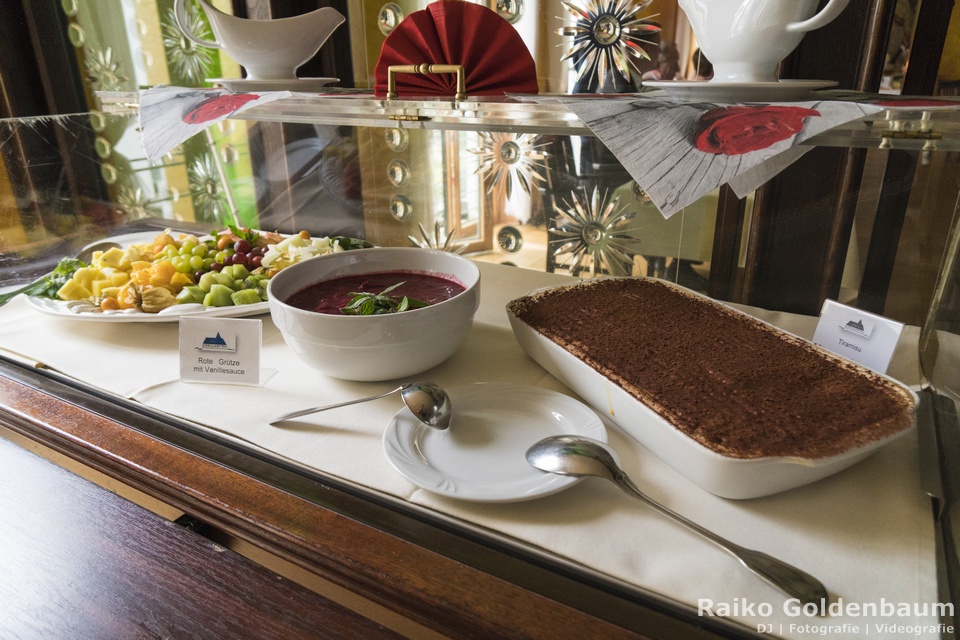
x=135, y=203
x=511, y=158
x=606, y=34
x=442, y=240
x=207, y=189
x=188, y=60
x=591, y=235
x=104, y=71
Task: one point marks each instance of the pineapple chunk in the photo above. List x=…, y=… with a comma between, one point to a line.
x=114, y=257
x=133, y=254
x=98, y=286
x=73, y=290
x=86, y=275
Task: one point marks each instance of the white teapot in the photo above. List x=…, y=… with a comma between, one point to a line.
x=746, y=39
x=267, y=49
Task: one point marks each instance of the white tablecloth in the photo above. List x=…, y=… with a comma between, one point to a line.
x=867, y=532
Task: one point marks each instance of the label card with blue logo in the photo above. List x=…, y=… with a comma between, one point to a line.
x=225, y=350
x=857, y=335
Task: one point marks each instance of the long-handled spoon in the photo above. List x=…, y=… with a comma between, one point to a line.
x=84, y=255
x=578, y=456
x=427, y=401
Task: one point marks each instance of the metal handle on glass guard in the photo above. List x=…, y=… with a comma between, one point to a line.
x=424, y=69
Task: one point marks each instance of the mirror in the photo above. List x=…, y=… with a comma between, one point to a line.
x=613, y=32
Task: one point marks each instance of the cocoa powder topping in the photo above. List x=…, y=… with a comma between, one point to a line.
x=731, y=382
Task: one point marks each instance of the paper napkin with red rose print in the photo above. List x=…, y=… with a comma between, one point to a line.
x=679, y=152
x=171, y=115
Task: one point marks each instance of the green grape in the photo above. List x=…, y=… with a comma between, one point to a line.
x=207, y=263
x=187, y=247
x=195, y=263
x=200, y=250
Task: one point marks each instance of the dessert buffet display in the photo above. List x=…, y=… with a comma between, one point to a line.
x=473, y=473
x=740, y=407
x=704, y=405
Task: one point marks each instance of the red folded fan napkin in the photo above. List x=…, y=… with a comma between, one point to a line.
x=494, y=56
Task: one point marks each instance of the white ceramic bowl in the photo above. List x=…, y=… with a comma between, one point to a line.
x=382, y=347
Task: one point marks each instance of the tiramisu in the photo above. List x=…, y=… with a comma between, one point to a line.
x=736, y=385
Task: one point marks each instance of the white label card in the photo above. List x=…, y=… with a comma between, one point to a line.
x=225, y=350
x=857, y=335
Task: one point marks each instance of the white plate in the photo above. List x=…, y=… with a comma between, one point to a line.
x=725, y=476
x=709, y=91
x=481, y=457
x=81, y=310
x=298, y=84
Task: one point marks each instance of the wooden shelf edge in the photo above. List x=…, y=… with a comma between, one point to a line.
x=427, y=587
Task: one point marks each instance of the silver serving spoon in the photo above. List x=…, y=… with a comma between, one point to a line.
x=427, y=401
x=578, y=456
x=85, y=255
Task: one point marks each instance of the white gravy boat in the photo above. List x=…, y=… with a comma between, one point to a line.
x=746, y=39
x=267, y=49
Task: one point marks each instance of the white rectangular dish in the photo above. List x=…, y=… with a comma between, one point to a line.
x=722, y=475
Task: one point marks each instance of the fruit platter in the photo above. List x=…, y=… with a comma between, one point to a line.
x=158, y=277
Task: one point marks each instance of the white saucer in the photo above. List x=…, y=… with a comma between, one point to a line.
x=298, y=84
x=711, y=91
x=481, y=457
